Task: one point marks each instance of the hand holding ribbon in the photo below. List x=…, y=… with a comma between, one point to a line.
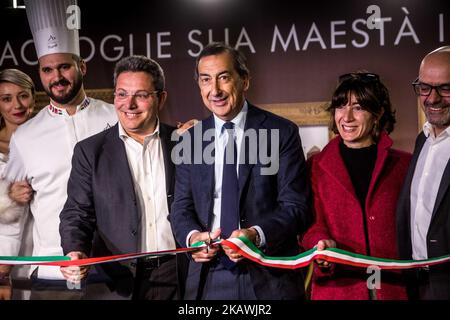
x=75, y=273
x=233, y=254
x=207, y=253
x=323, y=245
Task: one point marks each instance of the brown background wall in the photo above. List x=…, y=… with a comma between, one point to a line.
x=292, y=75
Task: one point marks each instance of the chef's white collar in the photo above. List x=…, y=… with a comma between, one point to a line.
x=55, y=111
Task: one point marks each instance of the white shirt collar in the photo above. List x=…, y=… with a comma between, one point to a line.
x=55, y=110
x=239, y=120
x=124, y=135
x=428, y=130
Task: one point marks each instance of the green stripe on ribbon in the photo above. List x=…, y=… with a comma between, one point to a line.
x=35, y=259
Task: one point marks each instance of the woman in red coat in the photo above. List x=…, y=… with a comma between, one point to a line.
x=356, y=180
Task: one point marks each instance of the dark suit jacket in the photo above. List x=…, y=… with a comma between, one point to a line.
x=101, y=214
x=277, y=203
x=438, y=236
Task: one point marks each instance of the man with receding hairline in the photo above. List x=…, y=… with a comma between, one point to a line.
x=232, y=197
x=423, y=213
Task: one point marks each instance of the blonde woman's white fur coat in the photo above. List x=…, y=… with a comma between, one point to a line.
x=10, y=211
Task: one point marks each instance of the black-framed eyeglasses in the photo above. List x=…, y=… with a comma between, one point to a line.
x=364, y=76
x=424, y=89
x=140, y=96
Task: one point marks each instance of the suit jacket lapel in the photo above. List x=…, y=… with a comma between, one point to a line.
x=443, y=188
x=412, y=166
x=383, y=147
x=406, y=194
x=404, y=207
x=206, y=170
x=253, y=121
x=115, y=149
x=167, y=145
x=334, y=166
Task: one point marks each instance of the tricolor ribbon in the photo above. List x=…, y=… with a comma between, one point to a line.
x=247, y=249
x=64, y=261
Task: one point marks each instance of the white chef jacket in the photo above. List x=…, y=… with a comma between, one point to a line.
x=41, y=153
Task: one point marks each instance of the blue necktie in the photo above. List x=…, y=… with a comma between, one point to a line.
x=229, y=214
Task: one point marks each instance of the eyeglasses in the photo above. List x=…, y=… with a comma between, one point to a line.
x=364, y=76
x=141, y=96
x=424, y=89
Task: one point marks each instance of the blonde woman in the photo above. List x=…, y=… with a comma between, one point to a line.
x=16, y=105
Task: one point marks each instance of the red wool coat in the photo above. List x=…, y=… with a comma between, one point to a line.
x=338, y=216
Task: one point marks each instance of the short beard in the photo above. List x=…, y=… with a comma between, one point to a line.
x=443, y=122
x=73, y=92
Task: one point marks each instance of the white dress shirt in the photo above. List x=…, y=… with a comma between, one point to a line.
x=147, y=167
x=433, y=159
x=41, y=152
x=219, y=144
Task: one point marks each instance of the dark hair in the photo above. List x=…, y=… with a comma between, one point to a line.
x=371, y=94
x=141, y=64
x=77, y=59
x=216, y=48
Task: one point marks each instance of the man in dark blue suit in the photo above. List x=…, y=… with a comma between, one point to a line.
x=218, y=196
x=120, y=189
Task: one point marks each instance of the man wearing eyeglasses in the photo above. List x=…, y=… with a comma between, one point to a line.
x=423, y=213
x=120, y=190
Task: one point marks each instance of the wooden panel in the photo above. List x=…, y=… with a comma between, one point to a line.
x=420, y=116
x=302, y=113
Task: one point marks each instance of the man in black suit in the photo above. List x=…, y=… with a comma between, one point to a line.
x=120, y=189
x=218, y=196
x=423, y=213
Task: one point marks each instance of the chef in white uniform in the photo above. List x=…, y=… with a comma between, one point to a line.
x=41, y=150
